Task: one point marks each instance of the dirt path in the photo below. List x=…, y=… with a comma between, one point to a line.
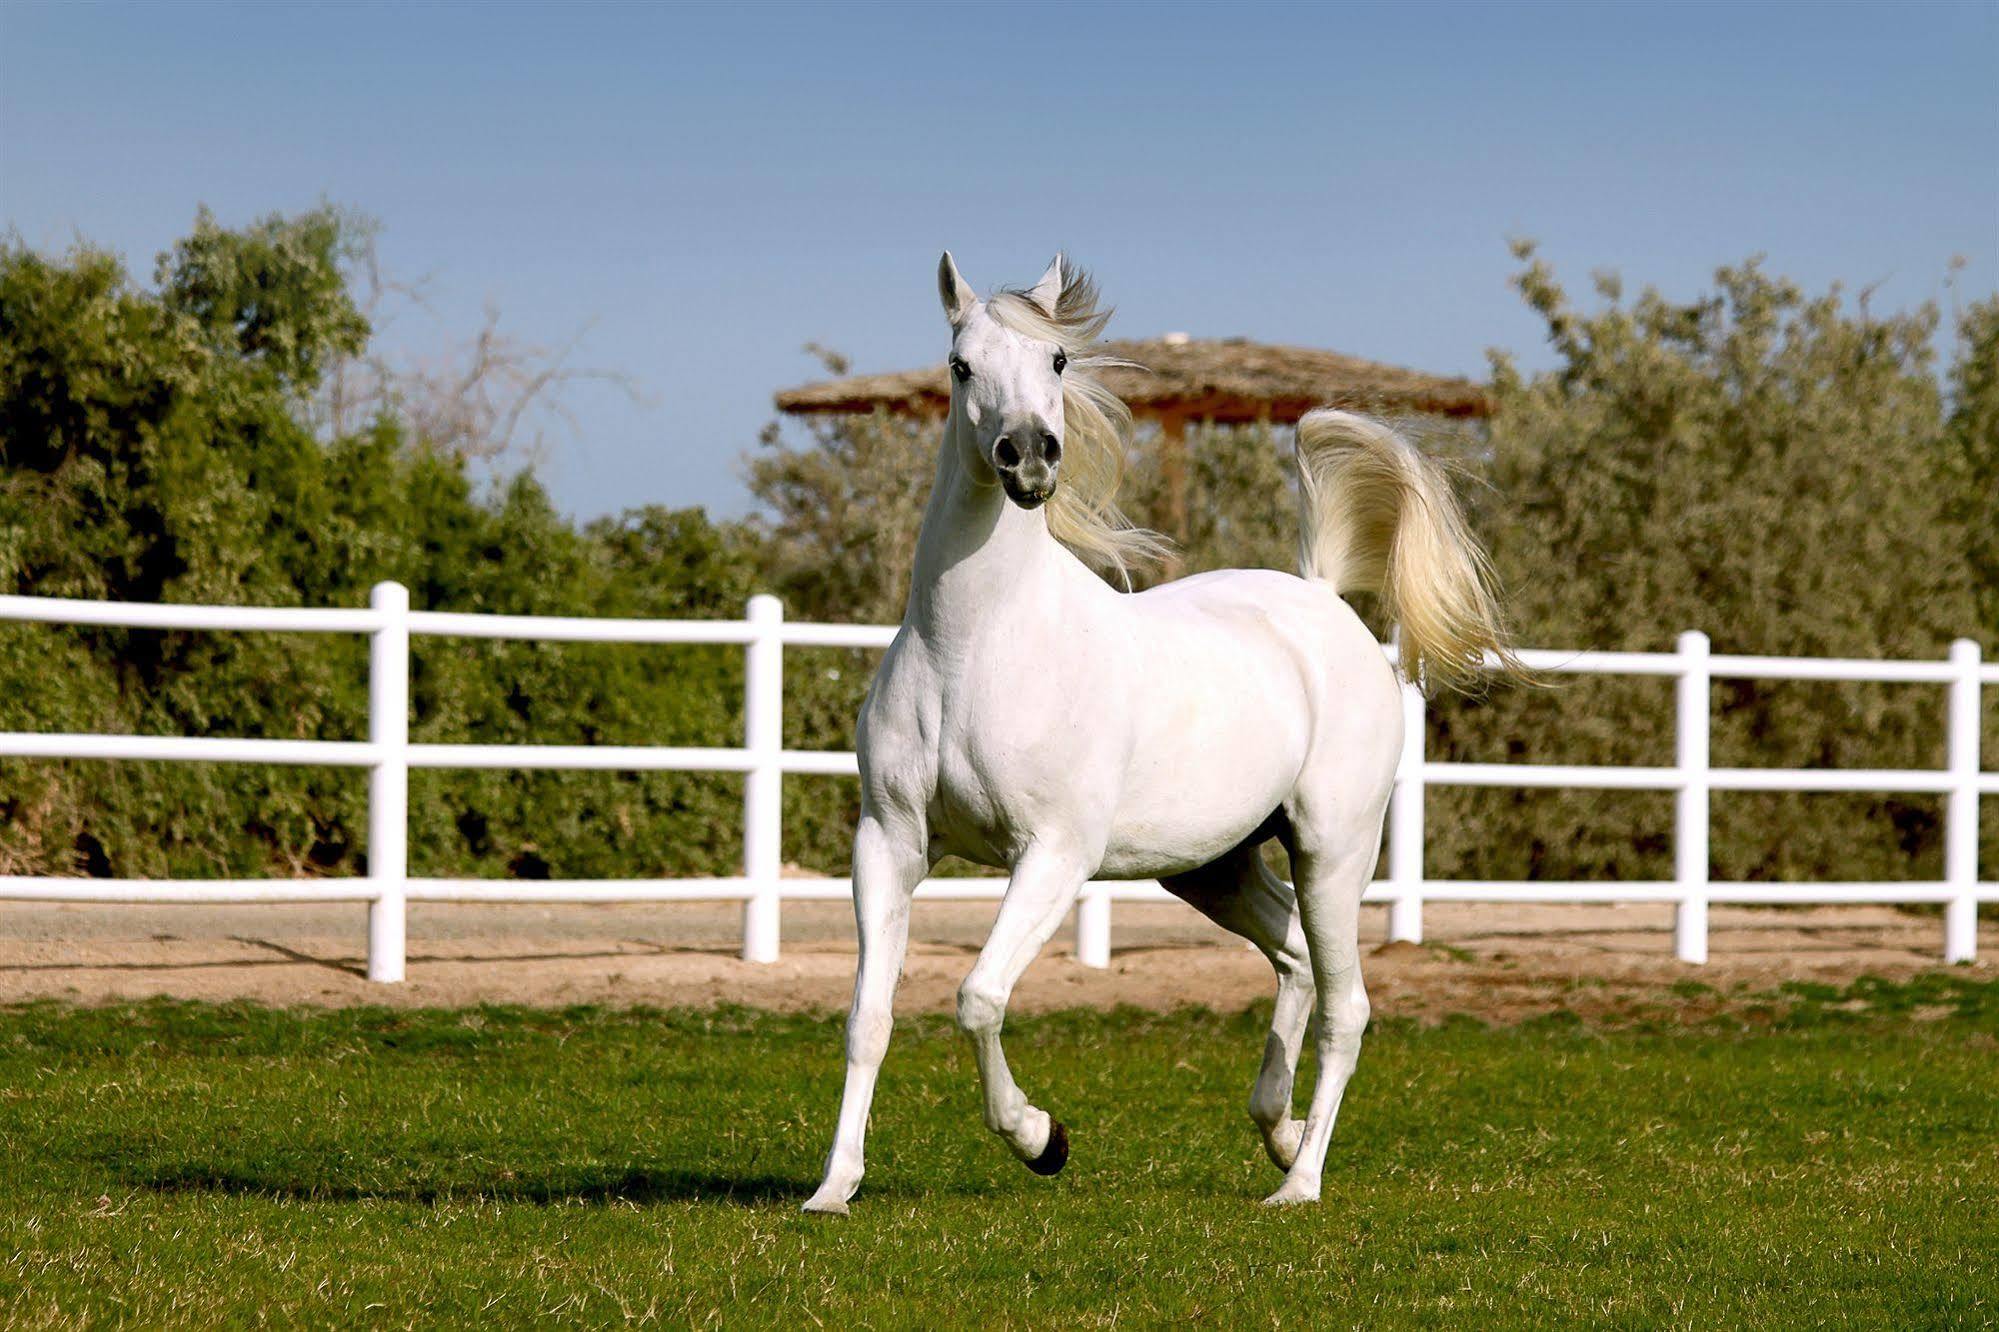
x=1500, y=962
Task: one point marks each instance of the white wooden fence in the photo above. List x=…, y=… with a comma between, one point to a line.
x=388, y=755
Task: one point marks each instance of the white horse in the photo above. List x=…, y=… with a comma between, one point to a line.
x=1031, y=717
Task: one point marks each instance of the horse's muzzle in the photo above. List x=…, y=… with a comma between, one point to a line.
x=1026, y=457
x=1028, y=495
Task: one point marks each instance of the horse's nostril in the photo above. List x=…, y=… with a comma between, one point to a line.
x=1051, y=449
x=1008, y=455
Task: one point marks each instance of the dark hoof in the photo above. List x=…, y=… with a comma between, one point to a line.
x=1056, y=1154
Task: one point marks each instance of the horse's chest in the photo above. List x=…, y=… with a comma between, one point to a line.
x=986, y=777
x=1010, y=751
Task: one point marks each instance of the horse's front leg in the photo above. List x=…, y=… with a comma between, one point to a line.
x=887, y=868
x=1044, y=885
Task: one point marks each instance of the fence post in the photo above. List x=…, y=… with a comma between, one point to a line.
x=1690, y=814
x=1960, y=856
x=763, y=791
x=1093, y=926
x=1405, y=824
x=389, y=781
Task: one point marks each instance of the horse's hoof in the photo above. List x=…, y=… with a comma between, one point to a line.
x=1291, y=1196
x=1281, y=1144
x=1056, y=1154
x=821, y=1205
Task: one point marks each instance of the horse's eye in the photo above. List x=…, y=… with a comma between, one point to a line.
x=961, y=370
x=1061, y=362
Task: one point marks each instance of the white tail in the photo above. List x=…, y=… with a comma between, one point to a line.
x=1378, y=517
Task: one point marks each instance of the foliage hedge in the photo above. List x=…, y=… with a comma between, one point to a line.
x=158, y=448
x=1787, y=472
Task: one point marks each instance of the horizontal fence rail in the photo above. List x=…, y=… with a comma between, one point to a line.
x=388, y=755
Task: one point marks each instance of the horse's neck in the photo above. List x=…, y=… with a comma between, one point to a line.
x=979, y=558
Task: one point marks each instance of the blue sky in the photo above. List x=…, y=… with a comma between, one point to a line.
x=703, y=190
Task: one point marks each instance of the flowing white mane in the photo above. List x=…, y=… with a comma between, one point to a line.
x=1084, y=513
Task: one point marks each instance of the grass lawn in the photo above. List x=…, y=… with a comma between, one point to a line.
x=1827, y=1157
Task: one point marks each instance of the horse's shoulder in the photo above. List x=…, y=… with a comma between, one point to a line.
x=897, y=720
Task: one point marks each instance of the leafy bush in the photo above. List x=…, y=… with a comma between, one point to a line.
x=157, y=448
x=1772, y=468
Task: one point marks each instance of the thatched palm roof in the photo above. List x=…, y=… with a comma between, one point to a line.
x=1228, y=380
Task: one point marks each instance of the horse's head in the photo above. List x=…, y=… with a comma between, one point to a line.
x=1006, y=383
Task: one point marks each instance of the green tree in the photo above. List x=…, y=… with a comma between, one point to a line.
x=841, y=511
x=271, y=297
x=1973, y=441
x=1760, y=464
x=158, y=445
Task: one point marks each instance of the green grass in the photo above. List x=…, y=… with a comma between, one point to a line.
x=1825, y=1156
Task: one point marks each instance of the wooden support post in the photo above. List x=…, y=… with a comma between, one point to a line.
x=1173, y=482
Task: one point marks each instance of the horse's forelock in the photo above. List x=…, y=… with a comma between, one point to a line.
x=1074, y=324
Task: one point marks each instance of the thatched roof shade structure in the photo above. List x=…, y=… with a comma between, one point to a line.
x=1226, y=380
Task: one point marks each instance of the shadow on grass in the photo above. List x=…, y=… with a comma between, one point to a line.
x=590, y=1188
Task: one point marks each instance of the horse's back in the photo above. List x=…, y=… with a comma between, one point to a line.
x=1242, y=680
x=1307, y=617
x=1352, y=695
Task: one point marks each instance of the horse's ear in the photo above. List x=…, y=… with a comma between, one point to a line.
x=954, y=291
x=1048, y=290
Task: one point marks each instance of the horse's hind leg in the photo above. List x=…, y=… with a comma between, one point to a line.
x=1332, y=862
x=1240, y=894
x=1043, y=885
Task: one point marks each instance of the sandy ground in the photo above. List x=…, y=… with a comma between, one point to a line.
x=1500, y=962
